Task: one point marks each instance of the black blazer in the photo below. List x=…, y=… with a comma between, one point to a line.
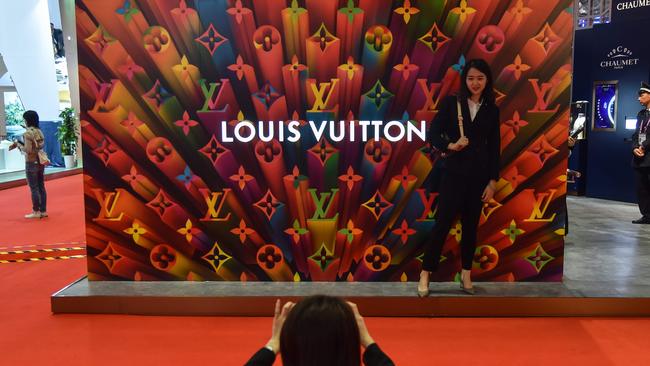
x=641, y=162
x=480, y=159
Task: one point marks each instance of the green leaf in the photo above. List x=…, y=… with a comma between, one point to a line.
x=68, y=132
x=14, y=112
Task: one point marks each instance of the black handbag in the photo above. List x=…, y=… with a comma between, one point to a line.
x=437, y=153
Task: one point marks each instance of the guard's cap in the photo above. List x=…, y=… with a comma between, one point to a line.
x=645, y=88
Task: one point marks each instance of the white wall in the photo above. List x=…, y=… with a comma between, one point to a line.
x=69, y=27
x=26, y=46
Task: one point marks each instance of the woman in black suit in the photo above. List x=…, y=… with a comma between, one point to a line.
x=470, y=169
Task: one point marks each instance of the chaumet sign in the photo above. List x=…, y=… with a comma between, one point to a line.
x=619, y=57
x=627, y=5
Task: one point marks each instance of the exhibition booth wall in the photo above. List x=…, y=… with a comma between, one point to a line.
x=171, y=194
x=617, y=56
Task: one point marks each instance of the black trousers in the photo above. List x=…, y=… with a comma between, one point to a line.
x=457, y=195
x=643, y=190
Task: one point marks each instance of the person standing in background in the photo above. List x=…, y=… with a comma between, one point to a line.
x=57, y=41
x=641, y=155
x=34, y=141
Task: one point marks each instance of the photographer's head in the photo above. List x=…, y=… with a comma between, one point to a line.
x=320, y=330
x=31, y=118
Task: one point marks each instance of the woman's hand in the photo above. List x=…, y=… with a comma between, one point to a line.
x=458, y=145
x=364, y=335
x=279, y=317
x=488, y=192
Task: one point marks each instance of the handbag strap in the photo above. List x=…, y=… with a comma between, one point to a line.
x=460, y=118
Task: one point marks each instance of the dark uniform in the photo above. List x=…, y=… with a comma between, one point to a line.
x=465, y=174
x=641, y=165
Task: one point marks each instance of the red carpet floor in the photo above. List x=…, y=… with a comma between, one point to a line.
x=65, y=223
x=31, y=335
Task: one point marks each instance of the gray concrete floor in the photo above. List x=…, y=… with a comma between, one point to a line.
x=605, y=254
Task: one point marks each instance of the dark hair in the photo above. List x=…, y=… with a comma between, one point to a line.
x=31, y=118
x=320, y=331
x=482, y=66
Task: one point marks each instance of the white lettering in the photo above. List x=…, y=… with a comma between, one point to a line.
x=295, y=134
x=335, y=131
x=260, y=127
x=420, y=132
x=400, y=128
x=341, y=134
x=238, y=134
x=224, y=132
x=629, y=5
x=376, y=124
x=318, y=132
x=618, y=64
x=364, y=130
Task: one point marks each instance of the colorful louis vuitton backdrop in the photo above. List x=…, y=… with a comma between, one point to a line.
x=169, y=198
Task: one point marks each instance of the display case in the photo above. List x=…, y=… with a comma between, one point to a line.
x=579, y=119
x=605, y=96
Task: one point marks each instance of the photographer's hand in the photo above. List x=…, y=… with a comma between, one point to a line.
x=364, y=335
x=279, y=316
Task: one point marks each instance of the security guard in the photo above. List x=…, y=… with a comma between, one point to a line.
x=641, y=153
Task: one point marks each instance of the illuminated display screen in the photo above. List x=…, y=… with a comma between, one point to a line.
x=605, y=106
